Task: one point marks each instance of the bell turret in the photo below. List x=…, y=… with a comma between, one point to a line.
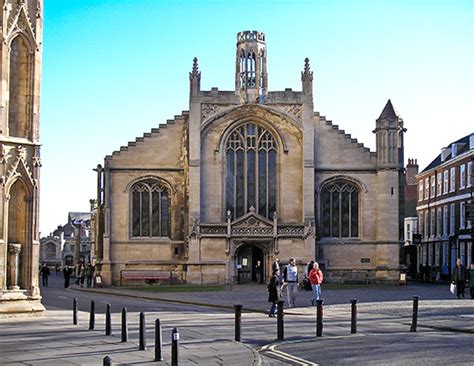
x=251, y=80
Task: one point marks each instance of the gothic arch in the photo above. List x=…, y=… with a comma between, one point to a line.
x=161, y=180
x=150, y=208
x=362, y=187
x=339, y=207
x=20, y=86
x=258, y=113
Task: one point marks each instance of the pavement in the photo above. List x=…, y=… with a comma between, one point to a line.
x=206, y=324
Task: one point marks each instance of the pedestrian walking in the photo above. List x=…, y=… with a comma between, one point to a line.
x=276, y=267
x=459, y=278
x=471, y=280
x=44, y=272
x=316, y=279
x=67, y=272
x=273, y=296
x=290, y=278
x=258, y=272
x=81, y=274
x=89, y=274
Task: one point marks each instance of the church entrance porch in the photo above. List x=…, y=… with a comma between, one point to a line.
x=250, y=264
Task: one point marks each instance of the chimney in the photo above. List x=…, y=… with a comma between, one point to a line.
x=411, y=172
x=444, y=153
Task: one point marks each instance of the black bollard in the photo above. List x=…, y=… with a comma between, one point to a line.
x=280, y=330
x=74, y=311
x=108, y=320
x=158, y=340
x=174, y=347
x=238, y=322
x=92, y=316
x=414, y=319
x=142, y=342
x=124, y=325
x=319, y=318
x=107, y=361
x=353, y=316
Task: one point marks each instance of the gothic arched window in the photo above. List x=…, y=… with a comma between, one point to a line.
x=340, y=210
x=150, y=209
x=251, y=154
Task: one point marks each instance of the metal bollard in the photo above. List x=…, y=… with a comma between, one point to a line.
x=174, y=347
x=92, y=316
x=108, y=320
x=158, y=340
x=280, y=326
x=107, y=361
x=414, y=319
x=353, y=316
x=319, y=318
x=74, y=311
x=124, y=325
x=142, y=342
x=238, y=322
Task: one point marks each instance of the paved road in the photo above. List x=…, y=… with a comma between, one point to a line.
x=383, y=336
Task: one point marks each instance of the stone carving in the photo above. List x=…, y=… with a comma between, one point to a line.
x=208, y=109
x=3, y=154
x=252, y=231
x=37, y=157
x=292, y=109
x=290, y=230
x=213, y=230
x=21, y=152
x=14, y=250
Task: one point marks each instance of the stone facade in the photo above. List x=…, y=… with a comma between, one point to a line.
x=20, y=72
x=251, y=175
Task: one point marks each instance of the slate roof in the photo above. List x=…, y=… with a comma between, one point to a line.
x=464, y=146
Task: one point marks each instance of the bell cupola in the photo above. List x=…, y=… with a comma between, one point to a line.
x=251, y=80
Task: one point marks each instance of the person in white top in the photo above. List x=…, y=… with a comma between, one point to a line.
x=290, y=279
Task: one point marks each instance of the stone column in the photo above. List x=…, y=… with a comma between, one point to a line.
x=14, y=250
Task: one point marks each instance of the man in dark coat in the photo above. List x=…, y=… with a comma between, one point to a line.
x=459, y=278
x=273, y=287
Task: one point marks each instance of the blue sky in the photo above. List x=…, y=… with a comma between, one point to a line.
x=114, y=69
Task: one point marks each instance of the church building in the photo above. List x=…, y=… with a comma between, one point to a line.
x=251, y=175
x=21, y=32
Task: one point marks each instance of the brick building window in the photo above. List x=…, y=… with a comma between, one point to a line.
x=451, y=219
x=433, y=186
x=420, y=191
x=445, y=181
x=462, y=177
x=452, y=183
x=150, y=209
x=439, y=182
x=340, y=209
x=427, y=187
x=469, y=174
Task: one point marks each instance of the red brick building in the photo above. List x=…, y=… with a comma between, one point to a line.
x=445, y=187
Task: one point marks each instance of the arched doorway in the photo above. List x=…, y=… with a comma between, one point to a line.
x=249, y=256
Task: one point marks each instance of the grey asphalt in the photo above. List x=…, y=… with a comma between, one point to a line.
x=207, y=332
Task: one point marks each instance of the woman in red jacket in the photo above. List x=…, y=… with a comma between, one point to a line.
x=315, y=279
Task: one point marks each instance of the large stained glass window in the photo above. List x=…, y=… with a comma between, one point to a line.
x=340, y=210
x=251, y=155
x=150, y=209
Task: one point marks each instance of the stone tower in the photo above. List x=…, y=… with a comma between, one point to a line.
x=251, y=79
x=20, y=70
x=390, y=186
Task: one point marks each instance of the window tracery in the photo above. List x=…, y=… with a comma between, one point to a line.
x=340, y=210
x=150, y=209
x=251, y=153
